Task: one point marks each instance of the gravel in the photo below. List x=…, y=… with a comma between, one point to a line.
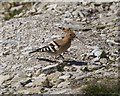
x=95, y=24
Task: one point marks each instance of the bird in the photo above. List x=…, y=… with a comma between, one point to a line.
x=58, y=46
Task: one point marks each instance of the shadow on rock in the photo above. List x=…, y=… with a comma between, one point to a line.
x=69, y=62
x=73, y=62
x=47, y=60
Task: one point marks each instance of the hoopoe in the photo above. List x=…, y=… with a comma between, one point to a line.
x=58, y=46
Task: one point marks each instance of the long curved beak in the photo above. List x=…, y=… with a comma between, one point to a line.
x=80, y=40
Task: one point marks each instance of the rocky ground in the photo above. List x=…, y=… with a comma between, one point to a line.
x=26, y=26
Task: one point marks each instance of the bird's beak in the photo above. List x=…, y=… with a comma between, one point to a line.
x=62, y=28
x=80, y=40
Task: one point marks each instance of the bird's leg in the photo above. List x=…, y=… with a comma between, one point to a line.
x=59, y=60
x=60, y=55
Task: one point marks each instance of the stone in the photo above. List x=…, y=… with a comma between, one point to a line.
x=103, y=60
x=67, y=68
x=35, y=90
x=25, y=82
x=16, y=8
x=54, y=78
x=50, y=68
x=31, y=11
x=98, y=52
x=7, y=52
x=41, y=80
x=95, y=59
x=66, y=76
x=4, y=78
x=52, y=6
x=61, y=91
x=16, y=85
x=94, y=67
x=19, y=15
x=110, y=74
x=6, y=6
x=64, y=84
x=29, y=85
x=38, y=72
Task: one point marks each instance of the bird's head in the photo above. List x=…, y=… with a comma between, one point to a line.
x=69, y=33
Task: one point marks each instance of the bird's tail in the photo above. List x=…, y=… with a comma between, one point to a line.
x=43, y=49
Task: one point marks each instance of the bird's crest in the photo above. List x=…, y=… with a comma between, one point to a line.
x=66, y=30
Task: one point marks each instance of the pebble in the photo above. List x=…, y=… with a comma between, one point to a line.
x=35, y=90
x=54, y=78
x=93, y=67
x=61, y=91
x=64, y=84
x=95, y=59
x=66, y=76
x=17, y=8
x=103, y=60
x=52, y=6
x=4, y=78
x=98, y=52
x=50, y=68
x=6, y=5
x=31, y=11
x=25, y=82
x=41, y=80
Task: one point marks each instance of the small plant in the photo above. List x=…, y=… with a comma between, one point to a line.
x=11, y=14
x=109, y=88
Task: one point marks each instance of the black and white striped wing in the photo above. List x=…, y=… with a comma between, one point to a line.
x=52, y=47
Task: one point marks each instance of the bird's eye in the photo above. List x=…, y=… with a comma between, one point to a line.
x=70, y=34
x=69, y=29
